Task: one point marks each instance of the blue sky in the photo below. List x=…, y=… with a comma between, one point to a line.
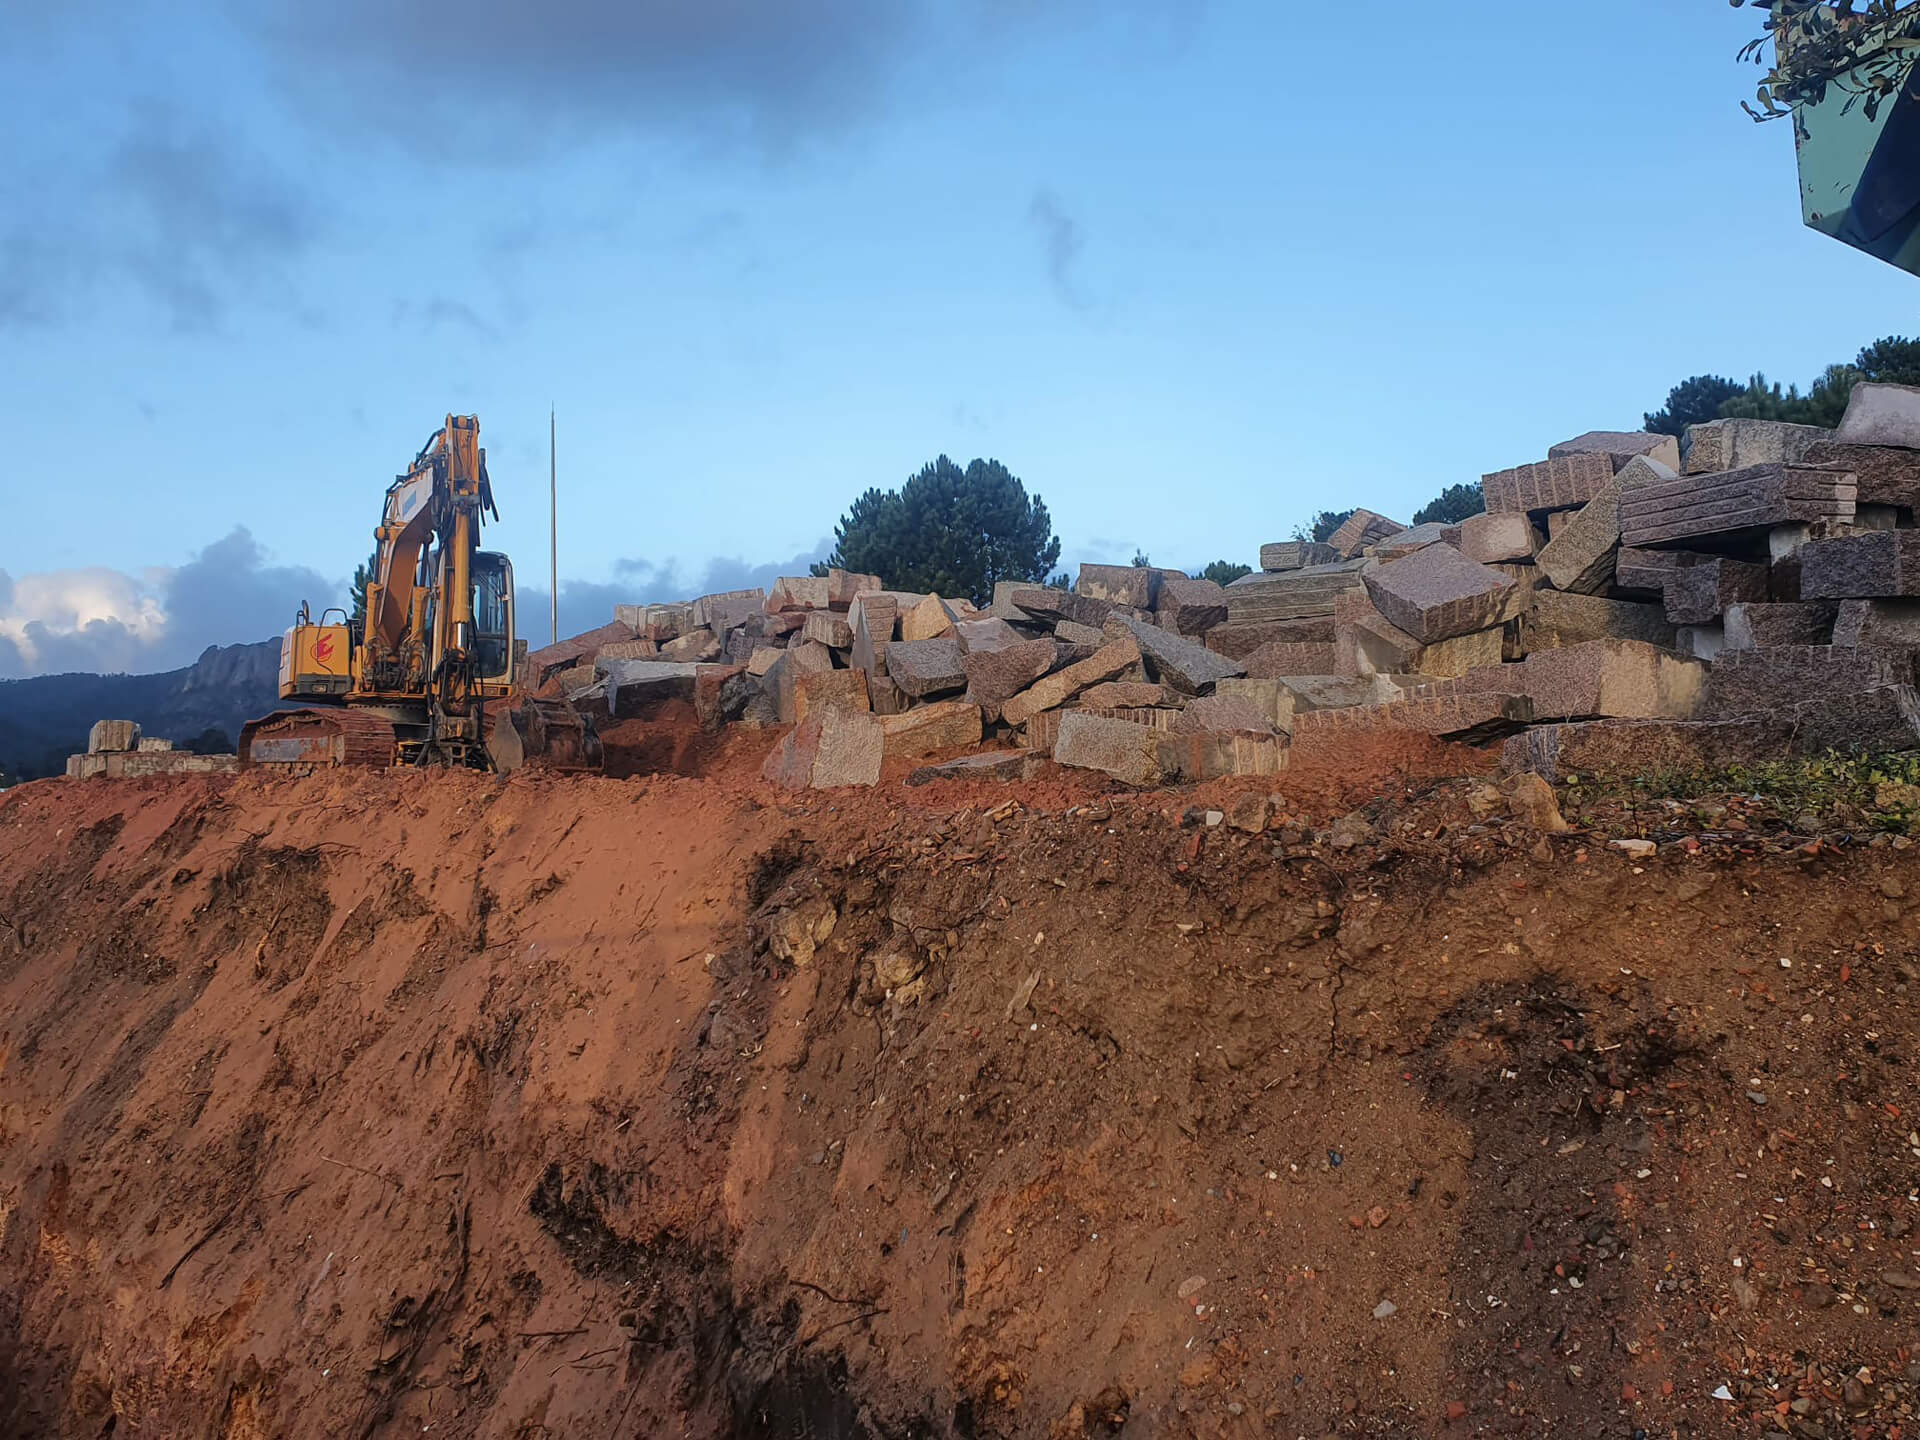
x=1193, y=269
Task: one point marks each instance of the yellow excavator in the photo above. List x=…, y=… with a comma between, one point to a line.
x=428, y=677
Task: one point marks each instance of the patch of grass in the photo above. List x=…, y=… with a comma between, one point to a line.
x=1882, y=791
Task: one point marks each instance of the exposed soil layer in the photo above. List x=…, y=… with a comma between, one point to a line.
x=393, y=1104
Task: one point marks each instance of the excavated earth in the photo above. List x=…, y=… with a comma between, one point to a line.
x=383, y=1104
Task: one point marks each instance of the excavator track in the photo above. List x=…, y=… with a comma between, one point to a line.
x=297, y=741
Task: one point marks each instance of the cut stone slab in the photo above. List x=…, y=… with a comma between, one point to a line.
x=1868, y=624
x=1649, y=570
x=1133, y=585
x=1880, y=564
x=1217, y=754
x=1110, y=662
x=1415, y=537
x=1191, y=607
x=1278, y=658
x=829, y=629
x=831, y=690
x=1556, y=619
x=1556, y=484
x=1132, y=695
x=873, y=618
x=829, y=749
x=1239, y=640
x=1043, y=729
x=1492, y=536
x=1732, y=505
x=1700, y=594
x=928, y=620
x=1882, y=474
x=986, y=633
x=1751, y=626
x=1460, y=653
x=1045, y=603
x=1271, y=698
x=888, y=698
x=927, y=667
x=1293, y=595
x=844, y=585
x=1558, y=520
x=721, y=611
x=1622, y=447
x=1882, y=415
x=631, y=684
x=1173, y=659
x=1752, y=682
x=799, y=592
x=1581, y=556
x=1074, y=633
x=113, y=737
x=763, y=659
x=1338, y=692
x=995, y=765
x=947, y=725
x=1361, y=529
x=635, y=649
x=1436, y=593
x=1219, y=713
x=1599, y=678
x=995, y=676
x=1883, y=719
x=1128, y=752
x=699, y=645
x=1295, y=555
x=1468, y=718
x=1366, y=643
x=1722, y=445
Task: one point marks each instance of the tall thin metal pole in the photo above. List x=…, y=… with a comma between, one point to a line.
x=553, y=515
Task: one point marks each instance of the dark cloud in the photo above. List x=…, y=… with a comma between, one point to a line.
x=1062, y=241
x=588, y=604
x=229, y=593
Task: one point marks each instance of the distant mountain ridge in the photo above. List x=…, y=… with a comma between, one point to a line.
x=46, y=718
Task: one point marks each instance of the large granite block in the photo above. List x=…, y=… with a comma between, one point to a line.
x=1557, y=484
x=1173, y=659
x=1271, y=698
x=1278, y=658
x=1622, y=447
x=1365, y=642
x=1295, y=554
x=1556, y=619
x=722, y=611
x=1751, y=682
x=1415, y=537
x=1128, y=752
x=1238, y=641
x=1882, y=415
x=631, y=684
x=996, y=676
x=1581, y=556
x=843, y=585
x=1043, y=602
x=828, y=749
x=1212, y=755
x=1292, y=595
x=925, y=668
x=1882, y=474
x=1135, y=586
x=830, y=690
x=1190, y=607
x=1493, y=536
x=1721, y=445
x=1700, y=594
x=1628, y=678
x=1359, y=530
x=1338, y=692
x=1469, y=718
x=1883, y=563
x=943, y=725
x=1870, y=623
x=1731, y=505
x=1750, y=626
x=1649, y=570
x=799, y=592
x=874, y=617
x=1221, y=713
x=986, y=632
x=1437, y=592
x=1110, y=662
x=927, y=619
x=828, y=627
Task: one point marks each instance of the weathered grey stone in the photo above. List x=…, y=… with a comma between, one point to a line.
x=927, y=667
x=828, y=749
x=996, y=676
x=722, y=611
x=1733, y=504
x=1580, y=558
x=946, y=725
x=1190, y=607
x=1110, y=662
x=828, y=628
x=113, y=737
x=1751, y=626
x=1721, y=445
x=1649, y=570
x=1359, y=530
x=888, y=698
x=1337, y=692
x=1881, y=563
x=1557, y=484
x=1437, y=592
x=1073, y=633
x=639, y=648
x=1622, y=447
x=1492, y=536
x=1700, y=594
x=633, y=683
x=1128, y=752
x=1295, y=554
x=694, y=645
x=1700, y=642
x=988, y=632
x=1470, y=718
x=1292, y=595
x=1214, y=713
x=1137, y=586
x=1271, y=698
x=1174, y=660
x=1882, y=415
x=1557, y=619
x=1045, y=603
x=1238, y=641
x=1750, y=682
x=1866, y=624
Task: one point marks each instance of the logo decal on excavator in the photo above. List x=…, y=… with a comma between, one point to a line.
x=323, y=649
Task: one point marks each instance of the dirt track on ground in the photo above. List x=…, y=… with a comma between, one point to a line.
x=359, y=1105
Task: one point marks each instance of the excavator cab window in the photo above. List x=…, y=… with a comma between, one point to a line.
x=493, y=615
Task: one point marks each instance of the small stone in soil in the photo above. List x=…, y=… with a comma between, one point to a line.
x=1385, y=1310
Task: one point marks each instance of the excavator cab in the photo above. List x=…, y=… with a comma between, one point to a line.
x=493, y=617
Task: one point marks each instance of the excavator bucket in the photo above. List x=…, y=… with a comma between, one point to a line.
x=297, y=741
x=544, y=734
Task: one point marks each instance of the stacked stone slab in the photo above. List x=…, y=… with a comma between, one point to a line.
x=1732, y=505
x=1556, y=484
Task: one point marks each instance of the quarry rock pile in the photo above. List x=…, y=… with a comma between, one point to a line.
x=1750, y=591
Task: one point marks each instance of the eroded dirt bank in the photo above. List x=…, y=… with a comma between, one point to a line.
x=429, y=1104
